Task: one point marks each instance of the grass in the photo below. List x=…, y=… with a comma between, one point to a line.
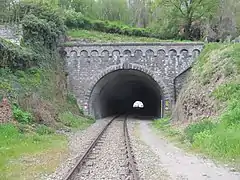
x=16, y=146
x=217, y=137
x=95, y=36
x=75, y=121
x=164, y=126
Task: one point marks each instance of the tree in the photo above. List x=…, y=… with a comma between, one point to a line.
x=190, y=11
x=140, y=11
x=113, y=10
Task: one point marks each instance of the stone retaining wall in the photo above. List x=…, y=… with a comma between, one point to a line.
x=12, y=33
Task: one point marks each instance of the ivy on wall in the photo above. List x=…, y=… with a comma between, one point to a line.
x=41, y=29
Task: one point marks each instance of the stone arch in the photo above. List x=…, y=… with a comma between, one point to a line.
x=84, y=53
x=75, y=49
x=105, y=53
x=149, y=53
x=116, y=56
x=173, y=56
x=161, y=53
x=127, y=53
x=138, y=56
x=127, y=56
x=184, y=54
x=63, y=52
x=73, y=53
x=172, y=52
x=184, y=50
x=72, y=60
x=195, y=53
x=94, y=53
x=116, y=52
x=138, y=53
x=164, y=89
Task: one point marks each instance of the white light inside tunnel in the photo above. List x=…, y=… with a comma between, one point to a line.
x=138, y=104
x=119, y=91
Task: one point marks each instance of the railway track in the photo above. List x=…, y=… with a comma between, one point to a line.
x=88, y=161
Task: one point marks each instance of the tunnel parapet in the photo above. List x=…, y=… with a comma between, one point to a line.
x=86, y=64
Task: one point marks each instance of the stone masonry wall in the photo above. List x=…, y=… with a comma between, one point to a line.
x=88, y=63
x=180, y=81
x=12, y=33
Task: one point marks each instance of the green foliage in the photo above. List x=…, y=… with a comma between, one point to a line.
x=39, y=32
x=186, y=12
x=42, y=26
x=74, y=121
x=43, y=129
x=227, y=91
x=73, y=101
x=16, y=57
x=223, y=143
x=162, y=123
x=76, y=20
x=202, y=61
x=219, y=139
x=96, y=36
x=22, y=116
x=165, y=126
x=208, y=65
x=16, y=84
x=8, y=131
x=234, y=54
x=15, y=145
x=199, y=127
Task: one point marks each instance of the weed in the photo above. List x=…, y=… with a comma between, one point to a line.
x=22, y=116
x=227, y=91
x=199, y=127
x=165, y=126
x=73, y=101
x=74, y=121
x=161, y=123
x=42, y=129
x=224, y=142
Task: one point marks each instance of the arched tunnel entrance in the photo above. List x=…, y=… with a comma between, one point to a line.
x=117, y=91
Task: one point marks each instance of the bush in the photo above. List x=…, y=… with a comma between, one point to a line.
x=232, y=116
x=16, y=57
x=42, y=129
x=199, y=127
x=161, y=123
x=224, y=143
x=76, y=20
x=22, y=116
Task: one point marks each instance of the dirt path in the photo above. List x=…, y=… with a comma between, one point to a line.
x=181, y=165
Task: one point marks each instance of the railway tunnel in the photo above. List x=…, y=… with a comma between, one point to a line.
x=117, y=91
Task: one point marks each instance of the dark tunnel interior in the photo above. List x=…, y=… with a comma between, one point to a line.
x=117, y=91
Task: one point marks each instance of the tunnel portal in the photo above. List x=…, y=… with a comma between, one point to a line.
x=117, y=91
x=107, y=78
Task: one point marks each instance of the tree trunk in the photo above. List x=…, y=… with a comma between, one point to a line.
x=187, y=29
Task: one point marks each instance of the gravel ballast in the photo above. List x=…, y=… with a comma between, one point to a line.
x=108, y=159
x=78, y=143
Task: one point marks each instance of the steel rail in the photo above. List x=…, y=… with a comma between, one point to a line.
x=132, y=165
x=78, y=165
